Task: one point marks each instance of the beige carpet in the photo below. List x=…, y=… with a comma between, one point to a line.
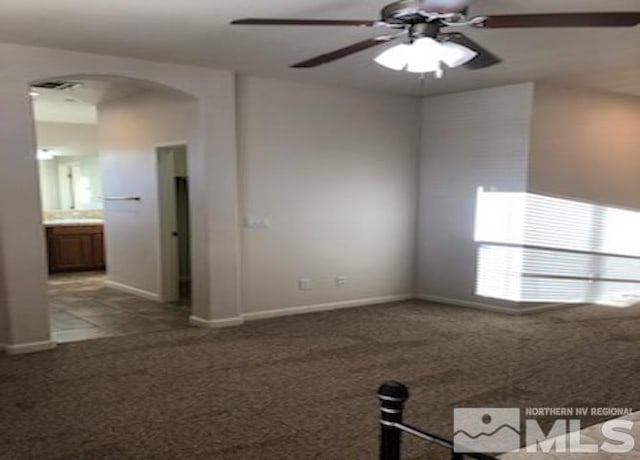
x=303, y=387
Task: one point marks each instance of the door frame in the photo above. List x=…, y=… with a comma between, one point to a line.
x=167, y=220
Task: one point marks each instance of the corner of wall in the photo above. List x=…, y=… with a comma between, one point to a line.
x=215, y=323
x=538, y=91
x=460, y=152
x=24, y=348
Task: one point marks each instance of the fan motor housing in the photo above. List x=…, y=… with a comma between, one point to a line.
x=412, y=11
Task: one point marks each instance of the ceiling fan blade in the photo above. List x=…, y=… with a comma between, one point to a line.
x=304, y=22
x=485, y=58
x=346, y=51
x=615, y=19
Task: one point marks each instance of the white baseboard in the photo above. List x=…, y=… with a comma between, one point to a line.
x=215, y=323
x=133, y=290
x=324, y=307
x=22, y=348
x=492, y=308
x=236, y=321
x=548, y=307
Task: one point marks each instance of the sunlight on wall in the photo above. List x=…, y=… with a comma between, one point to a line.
x=535, y=248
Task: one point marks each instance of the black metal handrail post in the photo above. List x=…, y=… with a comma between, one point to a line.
x=392, y=396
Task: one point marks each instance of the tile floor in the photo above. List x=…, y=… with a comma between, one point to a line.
x=84, y=309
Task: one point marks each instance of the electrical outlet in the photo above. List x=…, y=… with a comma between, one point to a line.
x=341, y=280
x=304, y=284
x=257, y=222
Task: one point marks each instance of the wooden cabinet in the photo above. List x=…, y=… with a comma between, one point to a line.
x=97, y=246
x=75, y=248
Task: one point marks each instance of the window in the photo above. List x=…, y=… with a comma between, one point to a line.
x=536, y=248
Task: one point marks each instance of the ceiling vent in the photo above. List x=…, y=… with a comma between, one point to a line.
x=57, y=85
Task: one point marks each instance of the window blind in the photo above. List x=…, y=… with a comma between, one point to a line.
x=536, y=248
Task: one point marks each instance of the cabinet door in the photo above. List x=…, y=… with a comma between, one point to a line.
x=71, y=252
x=98, y=250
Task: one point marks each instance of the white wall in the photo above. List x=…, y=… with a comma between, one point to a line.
x=69, y=139
x=338, y=184
x=470, y=139
x=22, y=249
x=130, y=129
x=586, y=145
x=213, y=158
x=335, y=173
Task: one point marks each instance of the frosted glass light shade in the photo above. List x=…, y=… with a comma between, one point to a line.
x=425, y=55
x=455, y=55
x=395, y=58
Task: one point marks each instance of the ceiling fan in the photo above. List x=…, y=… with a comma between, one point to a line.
x=423, y=21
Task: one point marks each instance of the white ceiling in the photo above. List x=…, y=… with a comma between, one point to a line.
x=78, y=105
x=197, y=32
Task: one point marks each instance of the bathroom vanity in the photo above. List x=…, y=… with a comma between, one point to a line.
x=75, y=245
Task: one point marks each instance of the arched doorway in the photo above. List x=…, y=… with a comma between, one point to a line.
x=213, y=159
x=113, y=169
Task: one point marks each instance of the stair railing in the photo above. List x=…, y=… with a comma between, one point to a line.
x=392, y=396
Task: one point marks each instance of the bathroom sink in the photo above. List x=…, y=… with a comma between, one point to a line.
x=77, y=221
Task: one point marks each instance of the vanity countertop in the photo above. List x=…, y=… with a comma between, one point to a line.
x=72, y=222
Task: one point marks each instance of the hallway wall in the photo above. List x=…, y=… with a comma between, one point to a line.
x=129, y=131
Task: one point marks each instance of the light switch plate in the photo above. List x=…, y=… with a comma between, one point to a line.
x=304, y=284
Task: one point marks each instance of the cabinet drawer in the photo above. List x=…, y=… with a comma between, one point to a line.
x=75, y=229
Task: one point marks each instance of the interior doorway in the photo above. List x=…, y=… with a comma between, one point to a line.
x=109, y=193
x=70, y=180
x=173, y=199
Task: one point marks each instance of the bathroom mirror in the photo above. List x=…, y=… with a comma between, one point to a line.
x=69, y=182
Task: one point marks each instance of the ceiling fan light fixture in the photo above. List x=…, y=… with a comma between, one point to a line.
x=394, y=58
x=425, y=18
x=455, y=55
x=424, y=64
x=424, y=57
